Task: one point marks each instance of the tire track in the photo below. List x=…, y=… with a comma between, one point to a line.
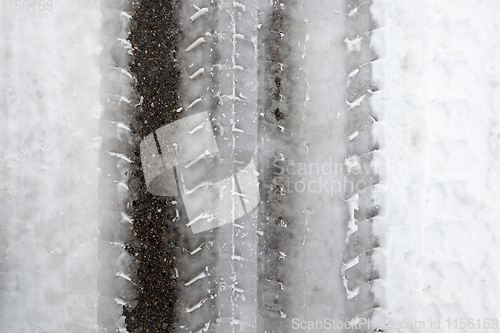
x=252, y=275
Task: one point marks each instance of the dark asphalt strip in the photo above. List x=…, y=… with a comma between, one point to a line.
x=155, y=242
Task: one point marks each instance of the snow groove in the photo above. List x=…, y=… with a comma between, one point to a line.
x=359, y=275
x=197, y=309
x=115, y=222
x=218, y=65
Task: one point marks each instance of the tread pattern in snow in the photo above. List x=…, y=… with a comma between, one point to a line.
x=359, y=273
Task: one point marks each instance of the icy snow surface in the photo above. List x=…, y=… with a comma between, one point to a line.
x=49, y=111
x=320, y=140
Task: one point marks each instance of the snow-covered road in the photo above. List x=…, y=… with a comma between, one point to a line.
x=372, y=126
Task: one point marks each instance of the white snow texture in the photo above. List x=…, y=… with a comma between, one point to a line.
x=49, y=111
x=438, y=111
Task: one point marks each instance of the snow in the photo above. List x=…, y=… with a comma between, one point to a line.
x=62, y=262
x=49, y=101
x=200, y=12
x=438, y=132
x=197, y=42
x=321, y=141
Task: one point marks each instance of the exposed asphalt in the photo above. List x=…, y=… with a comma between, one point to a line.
x=153, y=35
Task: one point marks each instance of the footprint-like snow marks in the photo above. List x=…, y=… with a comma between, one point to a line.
x=186, y=149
